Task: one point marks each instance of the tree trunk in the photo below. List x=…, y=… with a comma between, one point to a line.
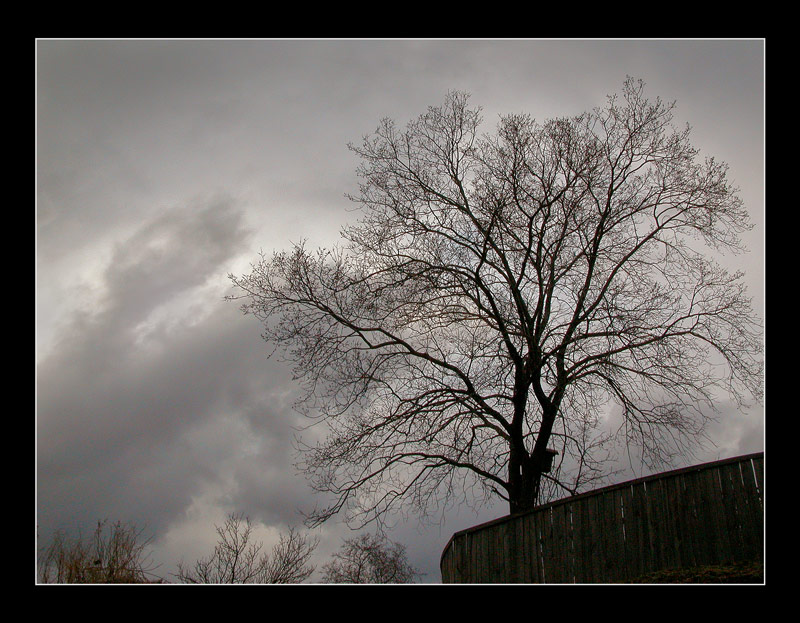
x=526, y=494
x=525, y=470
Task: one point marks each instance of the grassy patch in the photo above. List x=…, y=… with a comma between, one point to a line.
x=735, y=573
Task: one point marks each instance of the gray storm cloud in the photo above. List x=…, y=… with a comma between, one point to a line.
x=156, y=399
x=136, y=408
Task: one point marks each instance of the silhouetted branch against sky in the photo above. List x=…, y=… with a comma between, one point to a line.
x=165, y=165
x=499, y=290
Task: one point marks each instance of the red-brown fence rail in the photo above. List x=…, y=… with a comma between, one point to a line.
x=702, y=515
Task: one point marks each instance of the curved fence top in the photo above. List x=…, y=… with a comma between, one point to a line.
x=627, y=483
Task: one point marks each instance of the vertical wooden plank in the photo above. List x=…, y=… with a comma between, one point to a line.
x=507, y=553
x=637, y=548
x=524, y=553
x=528, y=538
x=478, y=540
x=621, y=553
x=465, y=561
x=489, y=560
x=625, y=552
x=634, y=550
x=695, y=545
x=654, y=524
x=485, y=555
x=537, y=521
x=758, y=468
x=545, y=540
x=602, y=561
x=590, y=540
x=447, y=564
x=460, y=561
x=746, y=537
x=568, y=558
x=466, y=568
x=474, y=570
x=549, y=534
x=556, y=551
x=527, y=525
x=537, y=526
x=501, y=555
x=613, y=538
x=565, y=545
x=748, y=544
x=524, y=538
x=755, y=512
x=484, y=564
x=645, y=526
x=715, y=512
x=688, y=522
x=443, y=563
x=456, y=563
x=730, y=484
x=675, y=508
x=578, y=523
x=599, y=535
x=669, y=533
x=554, y=568
x=514, y=553
x=489, y=565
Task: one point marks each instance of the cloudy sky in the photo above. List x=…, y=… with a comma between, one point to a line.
x=162, y=166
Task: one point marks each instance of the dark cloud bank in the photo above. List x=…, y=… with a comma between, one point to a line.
x=137, y=412
x=155, y=397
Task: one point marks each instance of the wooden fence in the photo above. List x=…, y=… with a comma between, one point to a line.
x=706, y=514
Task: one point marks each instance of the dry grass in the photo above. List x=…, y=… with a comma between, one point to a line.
x=751, y=572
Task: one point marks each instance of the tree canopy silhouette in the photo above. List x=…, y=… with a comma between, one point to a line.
x=370, y=559
x=238, y=559
x=499, y=292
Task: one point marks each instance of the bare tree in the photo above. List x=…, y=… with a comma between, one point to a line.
x=114, y=554
x=237, y=559
x=369, y=559
x=499, y=292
